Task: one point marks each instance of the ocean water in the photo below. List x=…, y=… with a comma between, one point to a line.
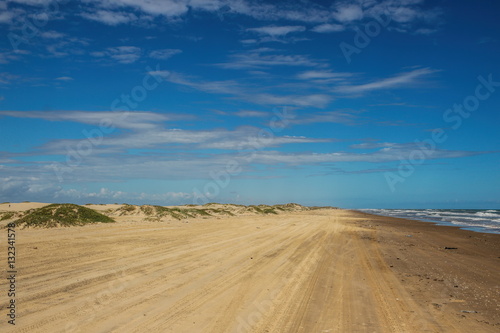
x=481, y=220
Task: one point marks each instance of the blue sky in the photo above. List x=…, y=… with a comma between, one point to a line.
x=357, y=104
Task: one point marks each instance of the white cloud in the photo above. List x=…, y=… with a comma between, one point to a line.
x=173, y=9
x=163, y=161
x=148, y=131
x=276, y=31
x=52, y=34
x=168, y=8
x=122, y=54
x=313, y=100
x=164, y=54
x=6, y=17
x=389, y=154
x=348, y=12
x=126, y=120
x=338, y=117
x=328, y=27
x=20, y=188
x=231, y=87
x=251, y=114
x=172, y=165
x=264, y=57
x=323, y=75
x=208, y=5
x=64, y=78
x=404, y=14
x=103, y=193
x=110, y=17
x=160, y=73
x=60, y=45
x=39, y=189
x=163, y=143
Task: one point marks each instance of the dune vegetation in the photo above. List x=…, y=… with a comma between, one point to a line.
x=65, y=215
x=157, y=213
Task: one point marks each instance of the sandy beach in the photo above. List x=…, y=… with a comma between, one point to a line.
x=325, y=270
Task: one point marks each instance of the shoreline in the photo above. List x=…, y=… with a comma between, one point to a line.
x=480, y=229
x=432, y=223
x=458, y=266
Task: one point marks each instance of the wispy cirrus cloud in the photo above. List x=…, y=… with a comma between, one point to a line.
x=164, y=54
x=325, y=75
x=51, y=34
x=121, y=54
x=266, y=57
x=126, y=120
x=397, y=81
x=175, y=164
x=148, y=130
x=110, y=17
x=277, y=31
x=251, y=114
x=228, y=87
x=384, y=155
x=311, y=100
x=328, y=27
x=246, y=92
x=317, y=81
x=61, y=45
x=64, y=78
x=149, y=149
x=338, y=117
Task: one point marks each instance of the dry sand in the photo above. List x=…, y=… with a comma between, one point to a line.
x=317, y=271
x=20, y=206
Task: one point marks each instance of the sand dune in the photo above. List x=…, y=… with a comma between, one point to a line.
x=10, y=212
x=305, y=271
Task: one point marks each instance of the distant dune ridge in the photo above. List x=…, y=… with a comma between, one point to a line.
x=40, y=215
